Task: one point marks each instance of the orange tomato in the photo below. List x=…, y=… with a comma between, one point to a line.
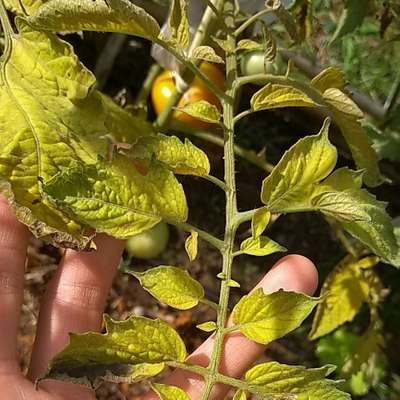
x=164, y=87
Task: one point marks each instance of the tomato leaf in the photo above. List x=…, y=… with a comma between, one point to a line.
x=330, y=77
x=202, y=110
x=240, y=395
x=167, y=392
x=172, y=286
x=342, y=295
x=266, y=317
x=207, y=53
x=260, y=221
x=129, y=351
x=191, y=245
x=24, y=7
x=260, y=246
x=209, y=326
x=114, y=198
x=119, y=16
x=179, y=24
x=294, y=382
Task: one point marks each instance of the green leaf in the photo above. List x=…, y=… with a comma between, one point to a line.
x=209, y=326
x=343, y=293
x=179, y=24
x=294, y=382
x=305, y=164
x=266, y=317
x=202, y=110
x=191, y=245
x=129, y=350
x=240, y=395
x=181, y=158
x=166, y=392
x=330, y=77
x=352, y=17
x=119, y=16
x=260, y=246
x=207, y=53
x=116, y=199
x=24, y=7
x=58, y=120
x=260, y=221
x=172, y=286
x=277, y=96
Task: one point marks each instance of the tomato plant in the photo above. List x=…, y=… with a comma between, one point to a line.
x=164, y=86
x=253, y=62
x=149, y=244
x=58, y=172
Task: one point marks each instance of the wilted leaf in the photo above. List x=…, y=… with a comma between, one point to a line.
x=342, y=295
x=202, y=110
x=209, y=326
x=137, y=347
x=260, y=246
x=181, y=158
x=179, y=24
x=191, y=245
x=113, y=197
x=287, y=382
x=120, y=16
x=260, y=221
x=207, y=53
x=166, y=392
x=172, y=286
x=330, y=77
x=278, y=96
x=266, y=317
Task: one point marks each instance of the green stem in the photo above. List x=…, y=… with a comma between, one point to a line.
x=242, y=115
x=217, y=243
x=231, y=207
x=215, y=181
x=251, y=21
x=141, y=100
x=210, y=303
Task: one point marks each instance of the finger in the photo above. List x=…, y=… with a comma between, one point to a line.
x=291, y=273
x=13, y=244
x=75, y=299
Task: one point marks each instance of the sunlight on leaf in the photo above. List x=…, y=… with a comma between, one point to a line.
x=179, y=24
x=207, y=53
x=331, y=77
x=24, y=7
x=191, y=245
x=260, y=246
x=260, y=221
x=209, y=326
x=202, y=110
x=167, y=392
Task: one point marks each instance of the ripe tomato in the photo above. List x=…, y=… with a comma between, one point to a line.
x=252, y=63
x=164, y=86
x=149, y=244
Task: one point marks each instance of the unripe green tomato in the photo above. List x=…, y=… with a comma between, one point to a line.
x=252, y=63
x=149, y=244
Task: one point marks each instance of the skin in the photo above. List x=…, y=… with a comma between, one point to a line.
x=74, y=302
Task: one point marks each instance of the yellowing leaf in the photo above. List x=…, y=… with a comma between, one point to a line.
x=181, y=158
x=166, y=392
x=191, y=245
x=278, y=96
x=260, y=246
x=24, y=7
x=330, y=77
x=116, y=199
x=240, y=395
x=260, y=221
x=56, y=119
x=137, y=347
x=305, y=164
x=209, y=326
x=338, y=100
x=283, y=382
x=120, y=16
x=202, y=110
x=266, y=317
x=343, y=293
x=207, y=53
x=247, y=44
x=179, y=24
x=172, y=286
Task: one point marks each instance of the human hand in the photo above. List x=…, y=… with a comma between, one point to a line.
x=74, y=302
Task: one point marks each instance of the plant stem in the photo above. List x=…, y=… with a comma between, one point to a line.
x=210, y=303
x=242, y=115
x=217, y=243
x=215, y=181
x=231, y=206
x=251, y=21
x=141, y=100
